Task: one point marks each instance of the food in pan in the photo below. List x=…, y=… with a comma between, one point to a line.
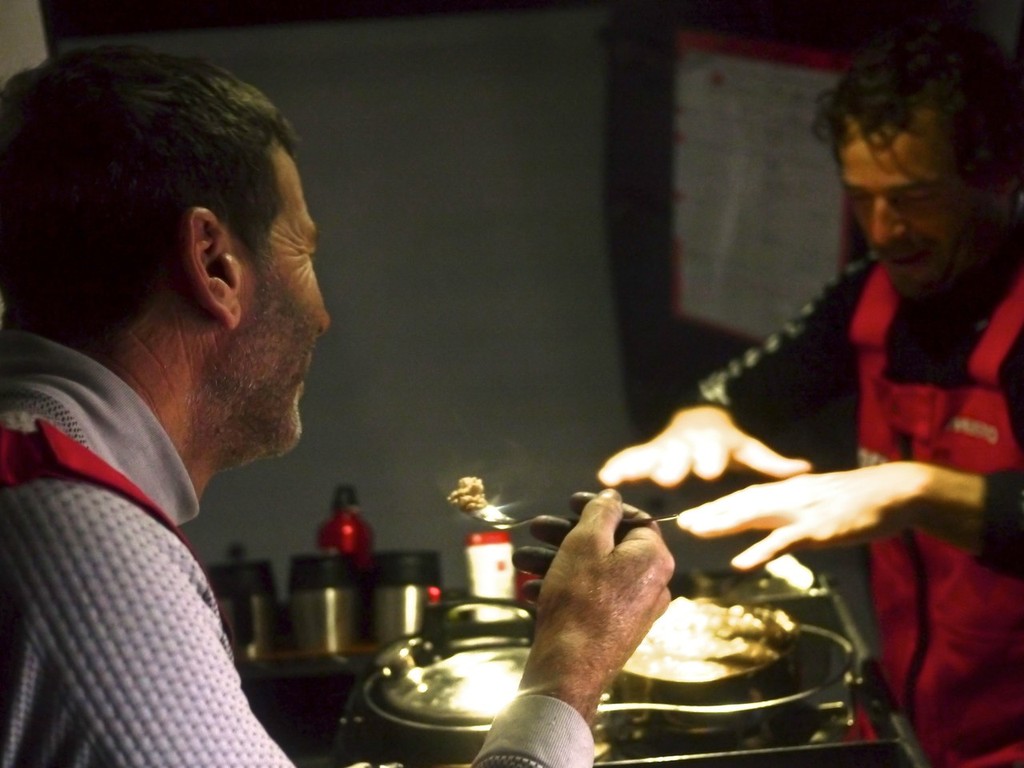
x=699, y=641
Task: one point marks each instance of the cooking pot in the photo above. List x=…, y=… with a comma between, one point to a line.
x=700, y=652
x=711, y=668
x=429, y=700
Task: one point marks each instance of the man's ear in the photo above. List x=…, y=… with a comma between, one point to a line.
x=213, y=274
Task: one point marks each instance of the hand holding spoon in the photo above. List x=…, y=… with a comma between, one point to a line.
x=469, y=497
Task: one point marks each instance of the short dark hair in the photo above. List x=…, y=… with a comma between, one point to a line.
x=102, y=151
x=942, y=65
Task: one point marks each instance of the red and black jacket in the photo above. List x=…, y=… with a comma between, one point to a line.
x=952, y=628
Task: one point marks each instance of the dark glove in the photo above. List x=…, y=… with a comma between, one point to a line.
x=551, y=530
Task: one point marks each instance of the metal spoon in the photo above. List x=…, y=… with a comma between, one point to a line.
x=495, y=518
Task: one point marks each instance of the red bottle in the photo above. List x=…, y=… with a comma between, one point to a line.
x=347, y=532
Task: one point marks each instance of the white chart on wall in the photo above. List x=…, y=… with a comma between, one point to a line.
x=758, y=221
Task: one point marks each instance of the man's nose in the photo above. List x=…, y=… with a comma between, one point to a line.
x=323, y=319
x=885, y=223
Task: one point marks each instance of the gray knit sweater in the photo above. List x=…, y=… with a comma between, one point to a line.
x=112, y=653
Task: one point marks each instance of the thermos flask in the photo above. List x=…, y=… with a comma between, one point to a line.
x=323, y=603
x=406, y=582
x=248, y=600
x=346, y=532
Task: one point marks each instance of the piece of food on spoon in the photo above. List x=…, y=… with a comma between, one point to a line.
x=469, y=495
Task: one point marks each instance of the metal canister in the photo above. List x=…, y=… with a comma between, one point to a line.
x=405, y=583
x=248, y=600
x=323, y=603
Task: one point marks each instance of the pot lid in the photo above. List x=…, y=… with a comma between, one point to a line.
x=469, y=687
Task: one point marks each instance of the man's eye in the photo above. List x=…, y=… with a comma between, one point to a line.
x=916, y=196
x=925, y=195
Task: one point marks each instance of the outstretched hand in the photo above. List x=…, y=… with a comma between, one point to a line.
x=814, y=511
x=702, y=441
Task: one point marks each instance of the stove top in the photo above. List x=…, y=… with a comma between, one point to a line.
x=843, y=715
